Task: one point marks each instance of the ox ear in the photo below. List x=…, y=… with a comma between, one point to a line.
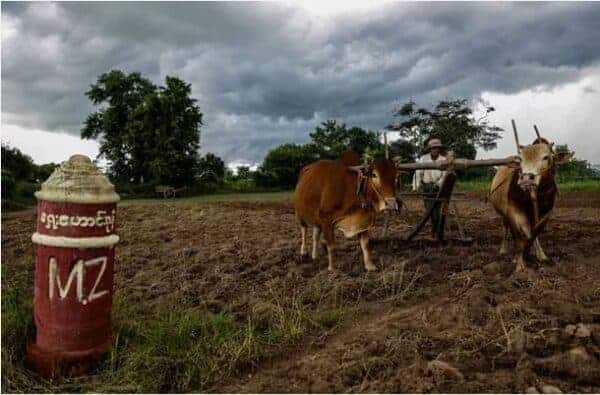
x=562, y=157
x=515, y=164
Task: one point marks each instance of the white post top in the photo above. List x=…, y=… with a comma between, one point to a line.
x=78, y=180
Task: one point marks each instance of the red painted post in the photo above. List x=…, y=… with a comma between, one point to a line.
x=72, y=298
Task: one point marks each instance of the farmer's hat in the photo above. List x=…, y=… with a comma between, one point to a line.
x=433, y=143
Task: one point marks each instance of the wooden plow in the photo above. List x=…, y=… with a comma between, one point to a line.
x=444, y=196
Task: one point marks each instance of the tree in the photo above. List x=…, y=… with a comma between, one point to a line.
x=450, y=120
x=282, y=164
x=121, y=94
x=407, y=151
x=147, y=133
x=210, y=168
x=332, y=139
x=19, y=165
x=243, y=173
x=575, y=169
x=169, y=122
x=42, y=172
x=9, y=185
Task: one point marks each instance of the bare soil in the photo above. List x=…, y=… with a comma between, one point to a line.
x=434, y=318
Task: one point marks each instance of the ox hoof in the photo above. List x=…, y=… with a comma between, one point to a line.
x=544, y=259
x=525, y=275
x=519, y=265
x=371, y=268
x=303, y=257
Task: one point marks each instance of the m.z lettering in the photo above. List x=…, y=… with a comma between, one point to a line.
x=75, y=278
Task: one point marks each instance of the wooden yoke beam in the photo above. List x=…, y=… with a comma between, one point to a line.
x=457, y=164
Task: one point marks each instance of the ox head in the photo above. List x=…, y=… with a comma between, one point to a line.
x=381, y=174
x=537, y=161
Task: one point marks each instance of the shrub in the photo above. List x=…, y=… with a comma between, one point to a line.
x=9, y=186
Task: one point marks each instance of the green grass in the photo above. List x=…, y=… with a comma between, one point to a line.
x=565, y=186
x=580, y=186
x=160, y=349
x=224, y=197
x=472, y=185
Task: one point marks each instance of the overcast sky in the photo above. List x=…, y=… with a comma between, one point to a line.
x=268, y=73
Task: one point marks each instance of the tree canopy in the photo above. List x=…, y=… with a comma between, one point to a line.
x=332, y=139
x=450, y=120
x=147, y=133
x=18, y=164
x=282, y=164
x=210, y=168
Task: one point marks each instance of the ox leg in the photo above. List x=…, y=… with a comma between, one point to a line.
x=539, y=252
x=315, y=242
x=330, y=240
x=303, y=228
x=364, y=245
x=521, y=230
x=504, y=243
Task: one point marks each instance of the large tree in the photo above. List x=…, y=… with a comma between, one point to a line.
x=147, y=133
x=405, y=150
x=282, y=164
x=333, y=138
x=450, y=120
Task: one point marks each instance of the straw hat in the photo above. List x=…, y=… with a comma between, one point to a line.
x=433, y=143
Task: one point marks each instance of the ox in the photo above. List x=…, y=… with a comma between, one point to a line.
x=524, y=192
x=340, y=194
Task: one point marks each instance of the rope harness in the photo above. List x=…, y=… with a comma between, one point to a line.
x=361, y=188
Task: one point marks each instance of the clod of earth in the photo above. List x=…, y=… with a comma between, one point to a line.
x=580, y=330
x=444, y=370
x=550, y=389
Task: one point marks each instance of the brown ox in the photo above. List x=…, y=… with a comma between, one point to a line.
x=524, y=194
x=326, y=197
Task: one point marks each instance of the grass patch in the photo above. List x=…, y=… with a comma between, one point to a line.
x=161, y=349
x=225, y=197
x=580, y=186
x=565, y=186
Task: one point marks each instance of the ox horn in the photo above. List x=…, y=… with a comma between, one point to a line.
x=537, y=132
x=514, y=126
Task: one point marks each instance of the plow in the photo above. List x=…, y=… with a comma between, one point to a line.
x=444, y=198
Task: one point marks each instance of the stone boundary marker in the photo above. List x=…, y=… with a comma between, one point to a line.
x=72, y=297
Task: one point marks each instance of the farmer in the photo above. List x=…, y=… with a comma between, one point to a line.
x=429, y=181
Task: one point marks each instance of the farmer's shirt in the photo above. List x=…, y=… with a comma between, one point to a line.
x=428, y=176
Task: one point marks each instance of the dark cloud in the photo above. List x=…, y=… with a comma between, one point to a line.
x=267, y=73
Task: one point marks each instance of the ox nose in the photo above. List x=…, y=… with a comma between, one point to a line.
x=527, y=180
x=391, y=204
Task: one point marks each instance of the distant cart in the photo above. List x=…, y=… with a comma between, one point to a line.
x=167, y=191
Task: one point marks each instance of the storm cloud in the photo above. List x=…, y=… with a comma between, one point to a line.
x=268, y=73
